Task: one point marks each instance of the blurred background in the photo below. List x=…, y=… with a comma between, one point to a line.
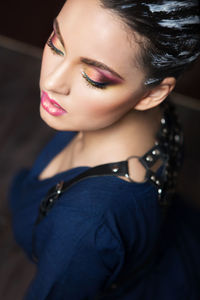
x=24, y=28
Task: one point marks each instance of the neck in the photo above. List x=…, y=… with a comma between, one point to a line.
x=131, y=135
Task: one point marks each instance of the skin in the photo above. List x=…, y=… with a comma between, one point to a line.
x=118, y=121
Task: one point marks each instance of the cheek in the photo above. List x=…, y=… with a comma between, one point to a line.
x=105, y=107
x=46, y=66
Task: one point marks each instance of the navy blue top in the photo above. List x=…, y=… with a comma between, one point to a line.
x=102, y=227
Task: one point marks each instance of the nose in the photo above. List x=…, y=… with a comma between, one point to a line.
x=58, y=79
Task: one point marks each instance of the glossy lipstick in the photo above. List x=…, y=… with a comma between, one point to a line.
x=51, y=106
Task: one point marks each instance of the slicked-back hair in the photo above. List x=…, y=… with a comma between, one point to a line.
x=171, y=30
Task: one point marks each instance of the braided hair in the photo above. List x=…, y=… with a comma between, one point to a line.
x=171, y=30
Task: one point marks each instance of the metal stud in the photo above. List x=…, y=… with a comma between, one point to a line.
x=126, y=175
x=149, y=158
x=163, y=121
x=153, y=178
x=115, y=170
x=177, y=138
x=159, y=191
x=51, y=200
x=156, y=152
x=58, y=191
x=157, y=182
x=164, y=130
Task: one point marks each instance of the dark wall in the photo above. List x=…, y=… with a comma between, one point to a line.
x=190, y=82
x=28, y=21
x=31, y=22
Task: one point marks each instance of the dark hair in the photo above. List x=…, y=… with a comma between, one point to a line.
x=171, y=30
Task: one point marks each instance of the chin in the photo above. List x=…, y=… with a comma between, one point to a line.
x=49, y=120
x=55, y=122
x=73, y=125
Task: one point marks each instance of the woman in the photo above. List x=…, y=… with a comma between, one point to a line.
x=101, y=183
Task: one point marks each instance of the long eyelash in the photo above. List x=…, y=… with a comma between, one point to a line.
x=53, y=48
x=89, y=81
x=92, y=83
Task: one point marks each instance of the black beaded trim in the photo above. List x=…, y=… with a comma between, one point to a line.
x=169, y=147
x=150, y=157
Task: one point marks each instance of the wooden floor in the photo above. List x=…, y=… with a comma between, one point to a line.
x=23, y=134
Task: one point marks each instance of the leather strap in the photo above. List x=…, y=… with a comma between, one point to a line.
x=116, y=169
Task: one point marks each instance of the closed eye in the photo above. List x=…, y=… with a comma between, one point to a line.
x=89, y=81
x=53, y=48
x=94, y=83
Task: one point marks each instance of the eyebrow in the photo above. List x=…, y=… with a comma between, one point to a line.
x=85, y=60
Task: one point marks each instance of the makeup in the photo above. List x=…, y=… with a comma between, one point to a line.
x=51, y=106
x=100, y=65
x=92, y=83
x=85, y=60
x=53, y=43
x=107, y=76
x=101, y=76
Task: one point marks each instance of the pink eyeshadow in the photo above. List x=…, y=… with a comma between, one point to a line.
x=101, y=76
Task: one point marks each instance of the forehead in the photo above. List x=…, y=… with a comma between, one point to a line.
x=98, y=33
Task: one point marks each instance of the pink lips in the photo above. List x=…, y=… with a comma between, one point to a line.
x=51, y=106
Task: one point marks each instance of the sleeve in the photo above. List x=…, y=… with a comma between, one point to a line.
x=85, y=262
x=95, y=264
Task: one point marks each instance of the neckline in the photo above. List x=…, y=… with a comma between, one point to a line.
x=77, y=170
x=60, y=139
x=60, y=175
x=73, y=172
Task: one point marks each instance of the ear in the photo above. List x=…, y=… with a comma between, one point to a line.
x=156, y=95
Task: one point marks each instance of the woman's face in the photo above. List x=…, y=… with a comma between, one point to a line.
x=91, y=96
